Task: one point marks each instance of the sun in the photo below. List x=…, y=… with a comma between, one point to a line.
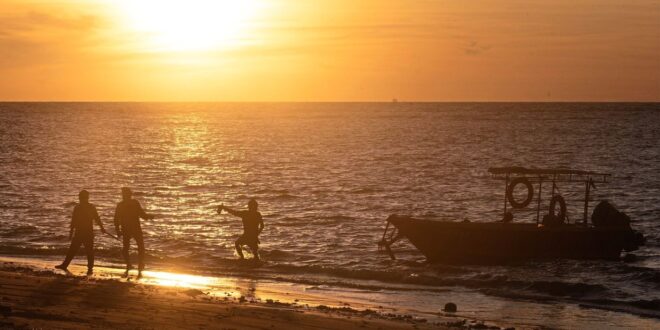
x=190, y=25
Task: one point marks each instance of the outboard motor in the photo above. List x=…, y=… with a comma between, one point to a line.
x=634, y=240
x=606, y=215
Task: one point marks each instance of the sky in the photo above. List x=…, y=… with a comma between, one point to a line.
x=330, y=50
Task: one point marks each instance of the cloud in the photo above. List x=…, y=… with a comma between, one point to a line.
x=474, y=48
x=36, y=37
x=36, y=20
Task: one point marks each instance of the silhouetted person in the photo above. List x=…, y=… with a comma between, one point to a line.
x=253, y=225
x=82, y=231
x=127, y=224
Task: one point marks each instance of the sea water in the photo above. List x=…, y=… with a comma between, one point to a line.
x=326, y=176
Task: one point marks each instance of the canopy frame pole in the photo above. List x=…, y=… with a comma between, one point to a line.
x=506, y=187
x=538, y=201
x=587, y=190
x=554, y=185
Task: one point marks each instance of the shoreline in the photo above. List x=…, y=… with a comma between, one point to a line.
x=414, y=307
x=36, y=296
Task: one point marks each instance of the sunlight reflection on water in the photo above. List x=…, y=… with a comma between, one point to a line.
x=178, y=280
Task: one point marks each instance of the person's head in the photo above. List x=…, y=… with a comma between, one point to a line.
x=83, y=196
x=126, y=193
x=252, y=204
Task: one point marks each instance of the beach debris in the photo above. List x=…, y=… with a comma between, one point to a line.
x=242, y=299
x=456, y=324
x=450, y=307
x=480, y=325
x=193, y=292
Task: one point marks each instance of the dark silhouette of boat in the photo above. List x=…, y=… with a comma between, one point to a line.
x=551, y=237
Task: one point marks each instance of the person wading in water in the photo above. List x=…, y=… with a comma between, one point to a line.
x=127, y=224
x=82, y=231
x=253, y=225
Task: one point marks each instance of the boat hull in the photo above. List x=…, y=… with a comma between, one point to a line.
x=443, y=241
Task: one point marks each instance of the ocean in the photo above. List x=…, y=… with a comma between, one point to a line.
x=326, y=176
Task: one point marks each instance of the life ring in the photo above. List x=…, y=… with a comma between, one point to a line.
x=562, y=207
x=512, y=186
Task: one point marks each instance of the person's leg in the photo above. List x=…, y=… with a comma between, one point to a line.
x=238, y=243
x=255, y=250
x=139, y=239
x=73, y=249
x=89, y=250
x=126, y=240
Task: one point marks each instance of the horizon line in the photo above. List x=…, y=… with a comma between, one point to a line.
x=324, y=101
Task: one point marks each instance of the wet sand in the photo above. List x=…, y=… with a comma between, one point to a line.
x=33, y=297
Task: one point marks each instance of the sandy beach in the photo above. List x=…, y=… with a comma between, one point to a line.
x=32, y=297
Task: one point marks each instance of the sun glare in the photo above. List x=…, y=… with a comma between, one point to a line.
x=190, y=25
x=179, y=280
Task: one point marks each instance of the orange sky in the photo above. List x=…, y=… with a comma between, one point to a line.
x=330, y=50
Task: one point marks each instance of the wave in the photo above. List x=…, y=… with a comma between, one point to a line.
x=14, y=207
x=275, y=255
x=479, y=281
x=640, y=274
x=365, y=191
x=291, y=222
x=326, y=220
x=642, y=307
x=272, y=191
x=653, y=304
x=337, y=217
x=283, y=262
x=17, y=250
x=19, y=231
x=562, y=289
x=200, y=160
x=284, y=196
x=395, y=278
x=492, y=285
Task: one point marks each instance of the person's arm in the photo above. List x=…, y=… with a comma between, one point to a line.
x=73, y=217
x=261, y=224
x=143, y=214
x=97, y=218
x=117, y=222
x=232, y=211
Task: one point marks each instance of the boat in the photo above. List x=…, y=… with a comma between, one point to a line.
x=551, y=236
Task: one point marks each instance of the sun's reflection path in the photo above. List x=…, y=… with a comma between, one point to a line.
x=179, y=280
x=227, y=288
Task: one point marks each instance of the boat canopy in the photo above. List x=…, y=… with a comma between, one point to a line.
x=549, y=174
x=514, y=175
x=539, y=171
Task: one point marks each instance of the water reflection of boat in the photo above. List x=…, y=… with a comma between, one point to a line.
x=608, y=234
